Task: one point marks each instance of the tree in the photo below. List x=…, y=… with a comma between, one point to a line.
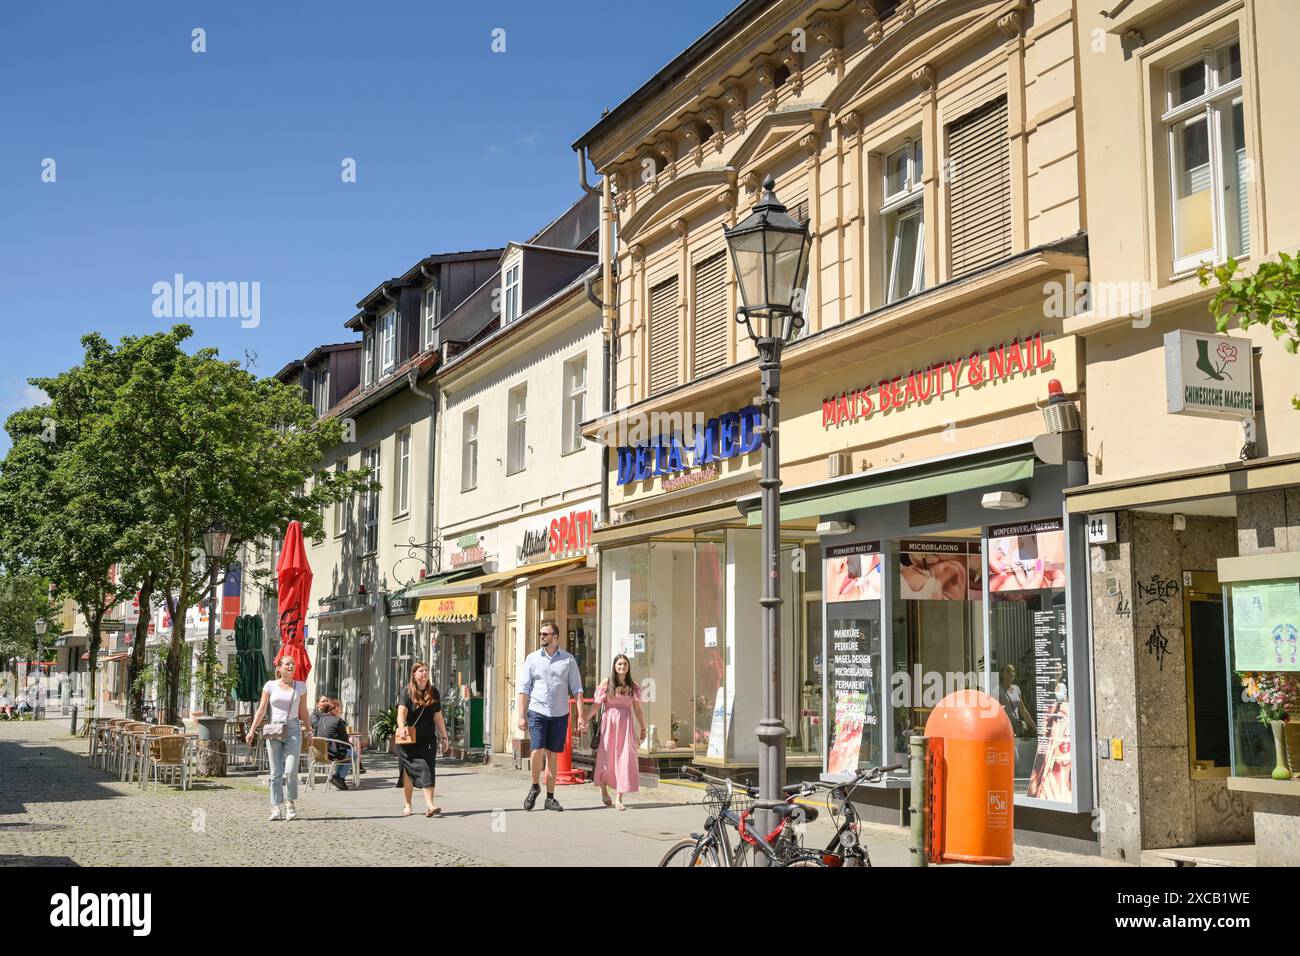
x=1270, y=297
x=24, y=600
x=63, y=513
x=220, y=445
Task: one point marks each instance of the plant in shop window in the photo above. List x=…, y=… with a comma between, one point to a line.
x=1276, y=694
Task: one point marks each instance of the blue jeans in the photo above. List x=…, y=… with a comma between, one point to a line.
x=284, y=759
x=342, y=770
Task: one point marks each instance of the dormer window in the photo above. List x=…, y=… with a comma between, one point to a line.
x=388, y=342
x=369, y=359
x=429, y=312
x=510, y=292
x=321, y=391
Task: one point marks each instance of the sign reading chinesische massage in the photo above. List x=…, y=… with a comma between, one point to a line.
x=1211, y=376
x=996, y=364
x=727, y=436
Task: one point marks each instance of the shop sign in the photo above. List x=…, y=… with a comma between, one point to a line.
x=1101, y=528
x=853, y=572
x=1211, y=376
x=566, y=535
x=727, y=436
x=587, y=606
x=461, y=608
x=398, y=606
x=1029, y=556
x=999, y=363
x=940, y=571
x=466, y=556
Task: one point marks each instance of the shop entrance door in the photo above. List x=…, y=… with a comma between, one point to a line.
x=1207, y=676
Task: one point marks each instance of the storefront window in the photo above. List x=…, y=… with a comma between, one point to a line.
x=403, y=659
x=1027, y=575
x=807, y=733
x=1263, y=629
x=582, y=636
x=710, y=649
x=852, y=589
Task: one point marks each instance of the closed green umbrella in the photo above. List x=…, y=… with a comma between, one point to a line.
x=249, y=660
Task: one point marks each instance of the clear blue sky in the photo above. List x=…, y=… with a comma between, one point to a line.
x=225, y=165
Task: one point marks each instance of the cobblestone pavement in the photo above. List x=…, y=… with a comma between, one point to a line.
x=56, y=810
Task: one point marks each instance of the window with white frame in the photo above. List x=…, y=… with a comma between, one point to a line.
x=517, y=430
x=402, y=477
x=901, y=215
x=510, y=288
x=320, y=509
x=321, y=391
x=388, y=341
x=370, y=503
x=369, y=360
x=1205, y=124
x=469, y=451
x=430, y=311
x=343, y=508
x=575, y=403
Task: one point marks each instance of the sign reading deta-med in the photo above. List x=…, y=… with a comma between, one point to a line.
x=727, y=436
x=1209, y=375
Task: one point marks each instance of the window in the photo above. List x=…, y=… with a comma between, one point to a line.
x=978, y=173
x=320, y=512
x=510, y=299
x=343, y=509
x=904, y=224
x=517, y=437
x=663, y=336
x=575, y=402
x=430, y=311
x=402, y=478
x=369, y=360
x=469, y=451
x=1205, y=125
x=709, y=338
x=370, y=503
x=403, y=658
x=321, y=391
x=388, y=342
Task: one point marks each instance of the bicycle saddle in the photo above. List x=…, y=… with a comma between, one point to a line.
x=798, y=811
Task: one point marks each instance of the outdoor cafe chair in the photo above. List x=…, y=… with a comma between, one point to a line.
x=320, y=760
x=112, y=743
x=169, y=753
x=96, y=735
x=133, y=750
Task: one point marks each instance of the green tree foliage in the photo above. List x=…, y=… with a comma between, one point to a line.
x=24, y=600
x=1270, y=297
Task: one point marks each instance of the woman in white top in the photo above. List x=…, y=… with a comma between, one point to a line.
x=287, y=700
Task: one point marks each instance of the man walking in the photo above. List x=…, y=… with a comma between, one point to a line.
x=549, y=677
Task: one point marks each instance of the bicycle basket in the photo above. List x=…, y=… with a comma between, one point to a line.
x=716, y=798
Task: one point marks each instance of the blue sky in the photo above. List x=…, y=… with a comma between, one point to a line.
x=226, y=165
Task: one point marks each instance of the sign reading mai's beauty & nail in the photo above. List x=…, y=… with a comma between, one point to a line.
x=949, y=377
x=727, y=436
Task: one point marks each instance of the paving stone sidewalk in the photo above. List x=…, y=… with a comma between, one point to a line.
x=56, y=810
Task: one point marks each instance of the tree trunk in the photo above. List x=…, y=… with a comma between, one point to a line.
x=93, y=623
x=173, y=707
x=138, y=648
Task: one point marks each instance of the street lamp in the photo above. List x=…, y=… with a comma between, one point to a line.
x=215, y=540
x=41, y=626
x=769, y=250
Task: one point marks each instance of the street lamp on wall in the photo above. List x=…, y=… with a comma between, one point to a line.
x=769, y=250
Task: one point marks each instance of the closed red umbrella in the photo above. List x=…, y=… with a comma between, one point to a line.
x=294, y=575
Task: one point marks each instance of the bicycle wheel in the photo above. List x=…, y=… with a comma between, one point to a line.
x=804, y=858
x=688, y=853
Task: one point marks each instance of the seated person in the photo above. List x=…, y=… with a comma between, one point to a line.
x=335, y=730
x=316, y=714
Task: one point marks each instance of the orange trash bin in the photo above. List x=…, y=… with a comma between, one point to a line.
x=972, y=780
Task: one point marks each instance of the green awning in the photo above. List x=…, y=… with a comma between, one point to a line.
x=892, y=492
x=432, y=582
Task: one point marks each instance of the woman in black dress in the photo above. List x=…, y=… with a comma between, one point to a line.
x=420, y=709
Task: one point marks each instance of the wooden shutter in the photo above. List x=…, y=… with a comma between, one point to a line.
x=979, y=191
x=663, y=336
x=709, y=345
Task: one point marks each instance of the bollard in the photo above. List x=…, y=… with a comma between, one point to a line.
x=916, y=750
x=73, y=729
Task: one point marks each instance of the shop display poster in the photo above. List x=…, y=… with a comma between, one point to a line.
x=1265, y=625
x=853, y=572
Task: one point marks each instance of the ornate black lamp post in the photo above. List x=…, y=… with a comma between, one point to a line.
x=769, y=250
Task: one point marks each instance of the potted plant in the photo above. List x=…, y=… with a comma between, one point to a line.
x=382, y=728
x=214, y=686
x=1275, y=693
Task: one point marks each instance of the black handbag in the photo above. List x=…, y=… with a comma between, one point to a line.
x=595, y=729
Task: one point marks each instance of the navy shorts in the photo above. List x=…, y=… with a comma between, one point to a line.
x=547, y=733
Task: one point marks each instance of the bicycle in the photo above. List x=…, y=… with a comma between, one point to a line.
x=845, y=848
x=732, y=808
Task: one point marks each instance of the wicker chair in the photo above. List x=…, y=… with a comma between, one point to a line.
x=321, y=760
x=169, y=753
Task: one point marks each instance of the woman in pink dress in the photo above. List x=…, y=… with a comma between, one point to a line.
x=616, y=760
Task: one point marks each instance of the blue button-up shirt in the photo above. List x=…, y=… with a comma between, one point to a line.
x=549, y=680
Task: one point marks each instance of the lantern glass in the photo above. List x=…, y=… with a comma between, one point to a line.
x=769, y=251
x=215, y=541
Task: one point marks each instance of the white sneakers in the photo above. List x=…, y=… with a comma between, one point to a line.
x=292, y=814
x=276, y=814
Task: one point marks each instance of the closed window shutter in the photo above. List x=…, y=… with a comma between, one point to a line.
x=709, y=347
x=663, y=336
x=980, y=188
